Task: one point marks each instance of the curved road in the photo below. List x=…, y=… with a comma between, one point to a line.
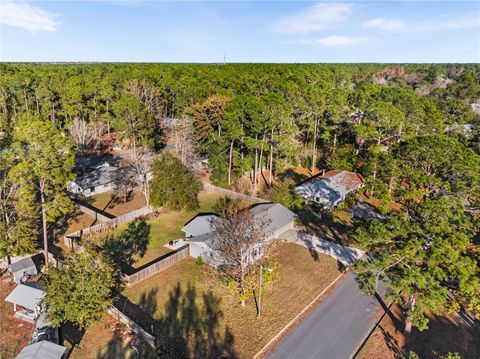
x=335, y=328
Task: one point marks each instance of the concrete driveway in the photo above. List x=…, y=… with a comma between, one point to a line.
x=345, y=255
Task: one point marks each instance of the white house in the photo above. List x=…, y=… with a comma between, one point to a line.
x=331, y=189
x=198, y=230
x=42, y=350
x=26, y=299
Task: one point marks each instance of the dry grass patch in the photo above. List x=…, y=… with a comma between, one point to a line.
x=14, y=332
x=106, y=339
x=301, y=279
x=114, y=204
x=446, y=334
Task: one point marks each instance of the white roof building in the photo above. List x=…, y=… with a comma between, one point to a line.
x=42, y=350
x=330, y=189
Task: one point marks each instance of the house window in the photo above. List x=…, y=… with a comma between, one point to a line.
x=317, y=199
x=91, y=189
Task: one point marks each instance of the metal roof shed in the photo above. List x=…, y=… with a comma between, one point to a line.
x=21, y=268
x=27, y=296
x=42, y=350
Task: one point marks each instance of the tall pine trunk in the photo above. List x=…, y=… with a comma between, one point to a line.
x=270, y=174
x=230, y=163
x=314, y=151
x=44, y=222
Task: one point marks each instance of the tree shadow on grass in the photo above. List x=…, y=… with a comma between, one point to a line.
x=190, y=330
x=130, y=244
x=124, y=345
x=190, y=327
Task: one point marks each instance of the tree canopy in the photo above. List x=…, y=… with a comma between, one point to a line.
x=81, y=291
x=173, y=186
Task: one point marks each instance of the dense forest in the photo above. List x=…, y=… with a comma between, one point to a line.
x=413, y=132
x=246, y=117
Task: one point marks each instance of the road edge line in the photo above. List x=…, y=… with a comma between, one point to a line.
x=290, y=324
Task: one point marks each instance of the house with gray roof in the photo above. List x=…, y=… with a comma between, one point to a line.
x=42, y=350
x=199, y=225
x=198, y=231
x=22, y=268
x=331, y=189
x=102, y=179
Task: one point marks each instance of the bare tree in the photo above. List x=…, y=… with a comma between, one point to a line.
x=184, y=142
x=141, y=167
x=237, y=241
x=83, y=135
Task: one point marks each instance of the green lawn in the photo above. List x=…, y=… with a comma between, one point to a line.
x=167, y=227
x=189, y=301
x=164, y=228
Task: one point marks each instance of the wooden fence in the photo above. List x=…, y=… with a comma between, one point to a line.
x=163, y=263
x=98, y=215
x=209, y=188
x=69, y=239
x=131, y=325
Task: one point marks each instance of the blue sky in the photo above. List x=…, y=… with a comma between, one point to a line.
x=246, y=31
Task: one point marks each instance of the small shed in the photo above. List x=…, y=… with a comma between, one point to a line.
x=22, y=268
x=42, y=350
x=26, y=299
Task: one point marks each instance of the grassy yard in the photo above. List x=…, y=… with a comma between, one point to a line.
x=163, y=228
x=113, y=203
x=167, y=226
x=189, y=301
x=14, y=332
x=107, y=339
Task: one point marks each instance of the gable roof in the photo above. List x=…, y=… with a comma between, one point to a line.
x=103, y=175
x=344, y=180
x=277, y=215
x=42, y=350
x=23, y=265
x=332, y=186
x=200, y=224
x=27, y=295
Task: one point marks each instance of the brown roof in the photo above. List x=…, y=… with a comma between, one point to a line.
x=345, y=178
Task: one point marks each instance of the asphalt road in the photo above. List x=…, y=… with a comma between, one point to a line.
x=335, y=328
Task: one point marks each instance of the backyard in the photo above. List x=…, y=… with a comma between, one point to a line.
x=143, y=240
x=167, y=227
x=188, y=301
x=107, y=339
x=14, y=333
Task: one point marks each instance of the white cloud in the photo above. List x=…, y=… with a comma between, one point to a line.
x=383, y=24
x=332, y=40
x=27, y=17
x=450, y=22
x=319, y=17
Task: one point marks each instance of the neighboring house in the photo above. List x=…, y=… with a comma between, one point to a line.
x=331, y=189
x=26, y=299
x=42, y=350
x=198, y=230
x=22, y=268
x=102, y=179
